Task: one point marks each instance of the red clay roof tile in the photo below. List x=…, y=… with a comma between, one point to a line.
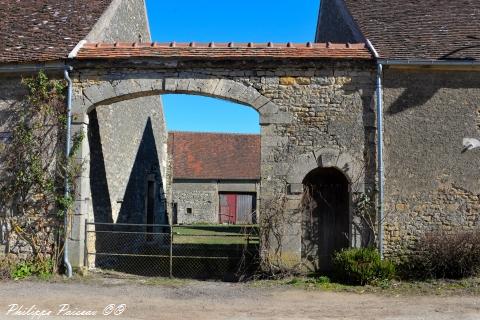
x=222, y=156
x=223, y=50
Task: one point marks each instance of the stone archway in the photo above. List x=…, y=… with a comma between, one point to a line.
x=326, y=216
x=91, y=95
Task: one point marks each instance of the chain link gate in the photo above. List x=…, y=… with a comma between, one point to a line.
x=187, y=251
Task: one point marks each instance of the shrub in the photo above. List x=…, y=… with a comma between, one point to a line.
x=44, y=268
x=22, y=270
x=361, y=266
x=323, y=279
x=442, y=254
x=25, y=269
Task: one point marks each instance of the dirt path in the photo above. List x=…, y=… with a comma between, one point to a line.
x=215, y=300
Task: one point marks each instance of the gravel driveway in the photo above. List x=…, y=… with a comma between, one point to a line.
x=215, y=300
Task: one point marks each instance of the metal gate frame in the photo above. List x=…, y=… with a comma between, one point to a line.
x=240, y=251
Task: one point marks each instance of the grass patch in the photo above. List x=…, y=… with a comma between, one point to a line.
x=467, y=286
x=215, y=234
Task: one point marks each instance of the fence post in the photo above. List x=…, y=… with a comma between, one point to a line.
x=171, y=251
x=85, y=250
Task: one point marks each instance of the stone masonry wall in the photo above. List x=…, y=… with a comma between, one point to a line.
x=429, y=182
x=123, y=164
x=11, y=92
x=200, y=197
x=121, y=134
x=124, y=20
x=311, y=113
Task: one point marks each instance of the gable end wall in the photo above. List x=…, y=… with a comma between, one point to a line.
x=124, y=20
x=335, y=24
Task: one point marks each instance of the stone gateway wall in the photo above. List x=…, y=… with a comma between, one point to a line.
x=120, y=168
x=312, y=113
x=129, y=146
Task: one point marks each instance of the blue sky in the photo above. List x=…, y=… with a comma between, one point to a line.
x=225, y=21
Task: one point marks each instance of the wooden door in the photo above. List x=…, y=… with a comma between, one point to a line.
x=327, y=222
x=331, y=214
x=244, y=208
x=228, y=208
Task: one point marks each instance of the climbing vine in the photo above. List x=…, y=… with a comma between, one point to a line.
x=34, y=168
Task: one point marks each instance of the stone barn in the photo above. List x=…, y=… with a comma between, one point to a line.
x=215, y=177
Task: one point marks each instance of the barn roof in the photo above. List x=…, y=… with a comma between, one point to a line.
x=222, y=156
x=47, y=30
x=427, y=29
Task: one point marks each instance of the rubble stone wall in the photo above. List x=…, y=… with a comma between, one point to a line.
x=312, y=113
x=430, y=183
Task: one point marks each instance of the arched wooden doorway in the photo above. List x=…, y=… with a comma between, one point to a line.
x=326, y=217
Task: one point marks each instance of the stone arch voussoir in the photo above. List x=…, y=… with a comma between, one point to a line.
x=110, y=91
x=326, y=158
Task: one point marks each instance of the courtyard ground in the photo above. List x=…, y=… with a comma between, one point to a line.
x=151, y=298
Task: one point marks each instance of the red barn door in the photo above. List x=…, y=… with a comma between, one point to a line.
x=228, y=208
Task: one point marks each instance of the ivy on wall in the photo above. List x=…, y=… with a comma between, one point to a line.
x=34, y=168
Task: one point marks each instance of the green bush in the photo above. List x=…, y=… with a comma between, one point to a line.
x=323, y=279
x=440, y=254
x=361, y=266
x=25, y=269
x=22, y=270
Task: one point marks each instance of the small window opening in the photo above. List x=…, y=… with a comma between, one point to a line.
x=189, y=210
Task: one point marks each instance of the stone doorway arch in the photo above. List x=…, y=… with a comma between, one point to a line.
x=326, y=217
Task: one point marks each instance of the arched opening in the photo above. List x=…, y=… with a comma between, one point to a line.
x=326, y=217
x=129, y=155
x=134, y=180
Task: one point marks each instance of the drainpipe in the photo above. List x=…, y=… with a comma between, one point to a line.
x=379, y=93
x=68, y=266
